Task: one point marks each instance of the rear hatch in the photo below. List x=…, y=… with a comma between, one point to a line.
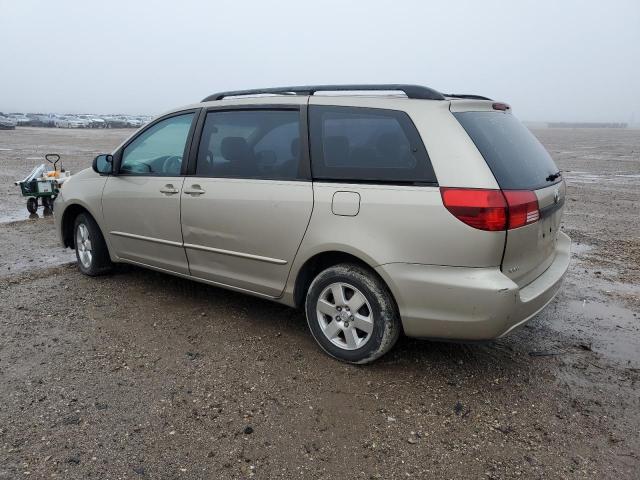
x=523, y=169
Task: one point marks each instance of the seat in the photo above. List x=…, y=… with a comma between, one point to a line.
x=242, y=160
x=289, y=169
x=336, y=151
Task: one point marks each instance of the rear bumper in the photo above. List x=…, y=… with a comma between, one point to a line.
x=470, y=303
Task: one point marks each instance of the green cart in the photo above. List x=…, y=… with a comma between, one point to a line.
x=43, y=185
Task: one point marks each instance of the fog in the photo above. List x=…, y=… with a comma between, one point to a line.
x=551, y=60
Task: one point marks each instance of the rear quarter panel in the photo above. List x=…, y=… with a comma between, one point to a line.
x=397, y=224
x=406, y=224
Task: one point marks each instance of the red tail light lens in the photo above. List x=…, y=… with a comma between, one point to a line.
x=523, y=207
x=492, y=210
x=478, y=208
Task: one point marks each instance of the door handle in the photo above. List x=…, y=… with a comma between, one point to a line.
x=169, y=189
x=194, y=190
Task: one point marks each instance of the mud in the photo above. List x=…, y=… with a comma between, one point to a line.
x=143, y=375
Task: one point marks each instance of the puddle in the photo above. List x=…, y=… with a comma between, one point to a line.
x=580, y=248
x=612, y=331
x=18, y=215
x=587, y=177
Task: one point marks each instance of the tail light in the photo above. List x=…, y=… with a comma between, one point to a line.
x=482, y=209
x=523, y=207
x=492, y=210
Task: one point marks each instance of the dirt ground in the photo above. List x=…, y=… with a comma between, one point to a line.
x=143, y=375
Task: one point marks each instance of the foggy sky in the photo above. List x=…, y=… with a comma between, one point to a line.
x=552, y=60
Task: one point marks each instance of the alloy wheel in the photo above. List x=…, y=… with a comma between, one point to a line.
x=345, y=316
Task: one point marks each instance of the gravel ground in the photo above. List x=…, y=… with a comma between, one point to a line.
x=143, y=375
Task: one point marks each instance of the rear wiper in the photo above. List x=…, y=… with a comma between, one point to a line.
x=553, y=176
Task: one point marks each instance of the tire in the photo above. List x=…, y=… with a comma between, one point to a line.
x=47, y=202
x=32, y=205
x=91, y=249
x=359, y=327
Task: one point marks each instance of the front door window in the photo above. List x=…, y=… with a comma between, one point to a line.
x=158, y=151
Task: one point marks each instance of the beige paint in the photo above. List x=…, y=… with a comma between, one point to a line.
x=254, y=236
x=142, y=222
x=261, y=218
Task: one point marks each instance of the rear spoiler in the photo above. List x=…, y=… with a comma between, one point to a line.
x=477, y=105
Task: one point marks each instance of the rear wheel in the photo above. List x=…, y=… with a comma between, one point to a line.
x=91, y=249
x=351, y=314
x=47, y=202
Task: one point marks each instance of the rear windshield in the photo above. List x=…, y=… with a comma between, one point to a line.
x=514, y=155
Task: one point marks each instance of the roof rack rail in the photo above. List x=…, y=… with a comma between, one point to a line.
x=464, y=95
x=411, y=91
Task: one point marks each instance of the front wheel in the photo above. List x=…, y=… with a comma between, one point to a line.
x=351, y=314
x=32, y=205
x=91, y=249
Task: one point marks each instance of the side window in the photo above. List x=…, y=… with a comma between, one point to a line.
x=159, y=149
x=367, y=144
x=262, y=144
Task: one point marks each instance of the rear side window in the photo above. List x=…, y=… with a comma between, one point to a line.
x=514, y=155
x=262, y=144
x=367, y=144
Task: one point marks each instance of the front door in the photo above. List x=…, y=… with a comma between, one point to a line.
x=141, y=205
x=246, y=209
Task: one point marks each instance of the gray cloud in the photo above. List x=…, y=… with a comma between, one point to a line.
x=570, y=60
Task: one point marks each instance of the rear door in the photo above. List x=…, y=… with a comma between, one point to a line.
x=520, y=163
x=247, y=203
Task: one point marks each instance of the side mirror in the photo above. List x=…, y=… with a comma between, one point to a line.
x=103, y=164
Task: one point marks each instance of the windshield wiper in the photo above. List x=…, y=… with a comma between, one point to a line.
x=553, y=176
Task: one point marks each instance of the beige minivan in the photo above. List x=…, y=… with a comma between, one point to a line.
x=379, y=209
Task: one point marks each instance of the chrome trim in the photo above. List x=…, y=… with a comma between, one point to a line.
x=192, y=246
x=552, y=208
x=147, y=239
x=235, y=254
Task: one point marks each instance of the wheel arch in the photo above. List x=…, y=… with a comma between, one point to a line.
x=323, y=260
x=69, y=216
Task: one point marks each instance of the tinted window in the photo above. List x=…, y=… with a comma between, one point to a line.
x=250, y=144
x=366, y=144
x=514, y=155
x=159, y=149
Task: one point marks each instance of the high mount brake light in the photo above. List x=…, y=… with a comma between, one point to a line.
x=491, y=210
x=501, y=106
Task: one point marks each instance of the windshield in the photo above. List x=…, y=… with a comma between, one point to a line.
x=514, y=155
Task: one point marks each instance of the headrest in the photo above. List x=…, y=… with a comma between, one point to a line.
x=235, y=149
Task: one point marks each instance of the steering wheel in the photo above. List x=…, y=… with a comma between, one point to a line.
x=172, y=164
x=136, y=167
